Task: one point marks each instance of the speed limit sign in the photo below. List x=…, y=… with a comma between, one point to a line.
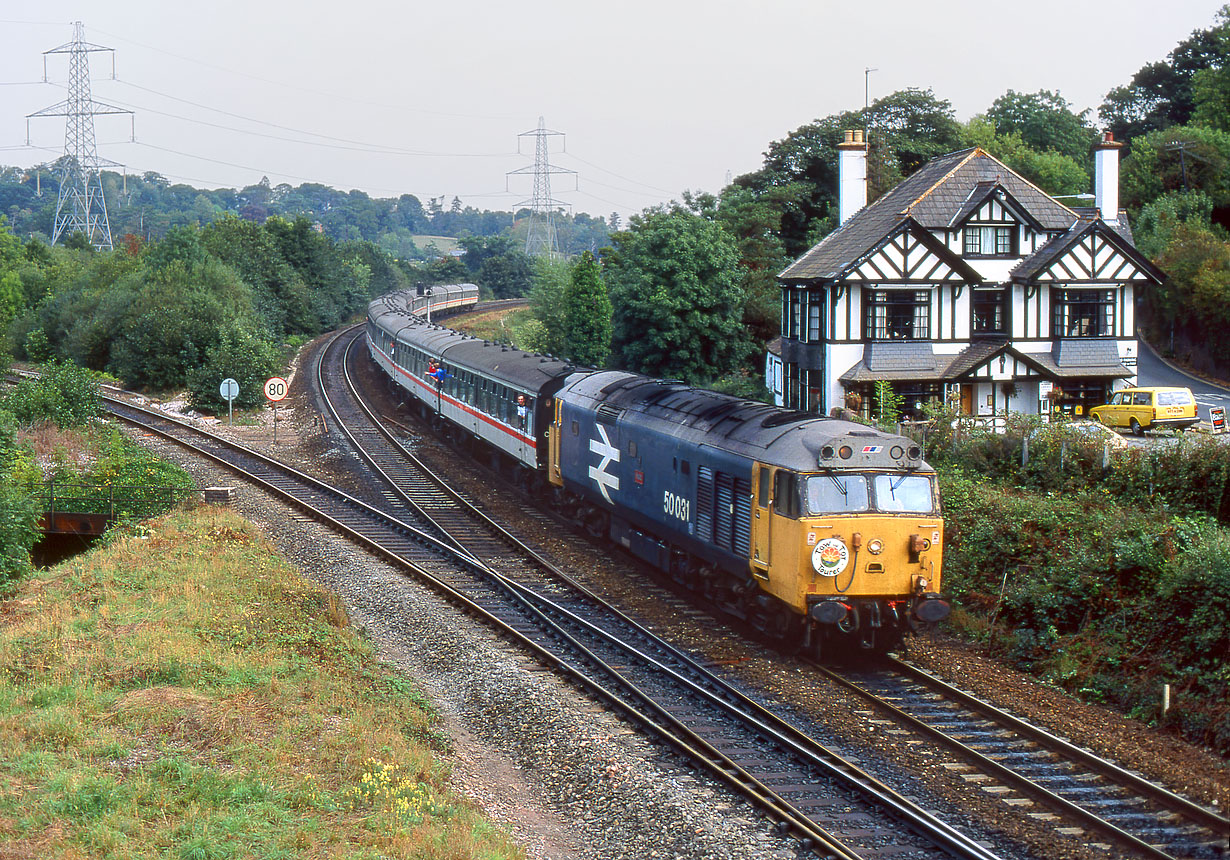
x=275, y=388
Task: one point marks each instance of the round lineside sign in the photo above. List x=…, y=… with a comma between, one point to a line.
x=276, y=388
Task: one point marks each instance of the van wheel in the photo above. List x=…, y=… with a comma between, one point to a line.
x=1137, y=430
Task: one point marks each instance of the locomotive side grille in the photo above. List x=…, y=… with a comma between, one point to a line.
x=743, y=518
x=723, y=516
x=704, y=504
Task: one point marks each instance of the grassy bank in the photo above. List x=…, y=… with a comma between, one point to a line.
x=181, y=692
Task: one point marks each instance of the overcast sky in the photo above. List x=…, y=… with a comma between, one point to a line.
x=654, y=96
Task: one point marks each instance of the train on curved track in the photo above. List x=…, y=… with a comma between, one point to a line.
x=822, y=533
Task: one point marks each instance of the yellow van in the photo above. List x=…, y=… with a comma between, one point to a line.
x=1141, y=409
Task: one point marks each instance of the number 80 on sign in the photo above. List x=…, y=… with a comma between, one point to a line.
x=275, y=388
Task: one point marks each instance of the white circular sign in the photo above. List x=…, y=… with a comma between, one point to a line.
x=276, y=388
x=830, y=557
x=229, y=389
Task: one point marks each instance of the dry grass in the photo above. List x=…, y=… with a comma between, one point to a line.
x=185, y=694
x=55, y=447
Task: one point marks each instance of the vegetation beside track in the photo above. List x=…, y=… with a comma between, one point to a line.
x=1110, y=580
x=181, y=692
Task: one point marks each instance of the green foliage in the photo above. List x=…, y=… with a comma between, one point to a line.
x=1052, y=171
x=1180, y=158
x=1044, y=122
x=1102, y=597
x=906, y=129
x=1211, y=98
x=887, y=404
x=241, y=355
x=1197, y=292
x=1164, y=94
x=755, y=222
x=19, y=511
x=587, y=314
x=676, y=297
x=551, y=281
x=63, y=393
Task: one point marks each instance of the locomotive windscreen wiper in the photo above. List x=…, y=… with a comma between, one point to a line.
x=841, y=487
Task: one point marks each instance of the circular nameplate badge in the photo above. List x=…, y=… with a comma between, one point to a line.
x=830, y=557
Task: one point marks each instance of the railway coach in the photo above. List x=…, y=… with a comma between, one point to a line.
x=472, y=388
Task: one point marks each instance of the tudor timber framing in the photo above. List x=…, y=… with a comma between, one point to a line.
x=1092, y=258
x=909, y=255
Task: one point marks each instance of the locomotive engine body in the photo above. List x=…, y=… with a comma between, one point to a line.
x=804, y=525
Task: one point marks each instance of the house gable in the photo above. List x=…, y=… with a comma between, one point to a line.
x=1090, y=253
x=991, y=203
x=909, y=255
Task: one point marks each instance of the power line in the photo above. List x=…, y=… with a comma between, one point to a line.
x=308, y=90
x=357, y=145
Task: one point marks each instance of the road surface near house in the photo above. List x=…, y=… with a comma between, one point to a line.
x=1154, y=371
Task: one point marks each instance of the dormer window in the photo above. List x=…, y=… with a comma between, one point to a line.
x=988, y=240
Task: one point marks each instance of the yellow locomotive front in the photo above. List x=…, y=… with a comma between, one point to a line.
x=855, y=546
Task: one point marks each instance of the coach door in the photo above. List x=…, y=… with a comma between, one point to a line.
x=762, y=517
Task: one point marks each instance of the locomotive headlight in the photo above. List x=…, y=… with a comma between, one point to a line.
x=922, y=584
x=875, y=546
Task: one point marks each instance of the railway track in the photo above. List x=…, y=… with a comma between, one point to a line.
x=1031, y=768
x=709, y=718
x=1078, y=793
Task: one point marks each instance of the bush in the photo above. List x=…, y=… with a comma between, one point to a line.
x=241, y=355
x=63, y=393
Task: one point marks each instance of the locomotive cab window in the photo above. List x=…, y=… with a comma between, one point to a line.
x=910, y=493
x=836, y=493
x=786, y=493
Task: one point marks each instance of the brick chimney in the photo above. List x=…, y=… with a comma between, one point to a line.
x=1106, y=177
x=852, y=174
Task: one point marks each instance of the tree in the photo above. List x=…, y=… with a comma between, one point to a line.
x=550, y=281
x=587, y=314
x=1162, y=94
x=1044, y=121
x=239, y=354
x=1179, y=158
x=1211, y=98
x=676, y=298
x=755, y=223
x=1052, y=171
x=906, y=128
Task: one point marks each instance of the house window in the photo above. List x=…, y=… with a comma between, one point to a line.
x=990, y=311
x=989, y=241
x=1082, y=313
x=898, y=315
x=815, y=305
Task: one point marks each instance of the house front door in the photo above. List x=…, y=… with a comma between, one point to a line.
x=967, y=400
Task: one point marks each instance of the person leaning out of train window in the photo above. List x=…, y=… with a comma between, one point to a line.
x=439, y=375
x=521, y=411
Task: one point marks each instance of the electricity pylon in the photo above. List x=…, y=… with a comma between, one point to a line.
x=81, y=206
x=540, y=237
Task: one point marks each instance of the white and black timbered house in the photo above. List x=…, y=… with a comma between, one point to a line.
x=967, y=283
